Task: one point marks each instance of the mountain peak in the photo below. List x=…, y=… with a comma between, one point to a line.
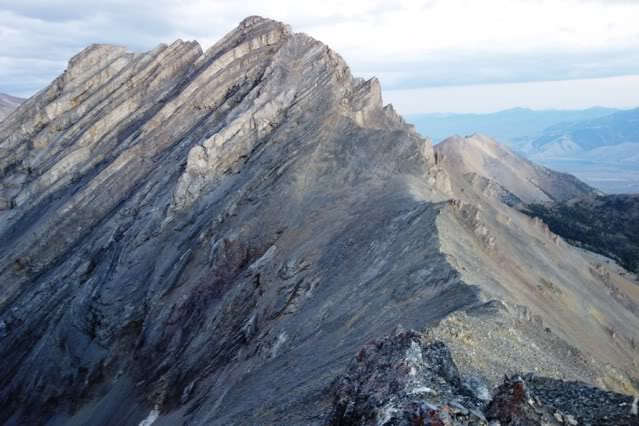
x=94, y=56
x=474, y=138
x=482, y=156
x=254, y=20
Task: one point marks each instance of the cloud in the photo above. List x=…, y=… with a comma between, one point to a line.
x=615, y=92
x=461, y=67
x=408, y=44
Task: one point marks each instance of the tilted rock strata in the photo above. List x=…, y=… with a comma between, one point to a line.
x=176, y=221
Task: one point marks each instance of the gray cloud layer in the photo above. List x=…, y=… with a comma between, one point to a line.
x=39, y=36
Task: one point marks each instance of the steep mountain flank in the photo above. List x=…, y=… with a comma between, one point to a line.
x=606, y=224
x=8, y=104
x=175, y=221
x=193, y=237
x=482, y=156
x=515, y=258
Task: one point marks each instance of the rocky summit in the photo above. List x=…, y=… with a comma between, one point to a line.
x=234, y=237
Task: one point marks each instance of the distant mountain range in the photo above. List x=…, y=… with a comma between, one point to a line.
x=504, y=126
x=8, y=104
x=603, y=152
x=598, y=145
x=571, y=138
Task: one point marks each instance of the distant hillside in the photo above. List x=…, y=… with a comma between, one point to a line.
x=8, y=104
x=482, y=156
x=606, y=224
x=504, y=126
x=598, y=145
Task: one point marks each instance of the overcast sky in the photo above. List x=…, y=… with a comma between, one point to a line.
x=432, y=55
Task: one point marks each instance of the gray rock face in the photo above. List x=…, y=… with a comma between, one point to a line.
x=208, y=237
x=8, y=104
x=180, y=228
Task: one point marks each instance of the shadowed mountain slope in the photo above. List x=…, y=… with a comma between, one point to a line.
x=180, y=220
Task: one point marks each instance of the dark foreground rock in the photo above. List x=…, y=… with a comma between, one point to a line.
x=407, y=379
x=411, y=379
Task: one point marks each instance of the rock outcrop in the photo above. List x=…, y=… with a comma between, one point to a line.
x=411, y=379
x=193, y=237
x=407, y=378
